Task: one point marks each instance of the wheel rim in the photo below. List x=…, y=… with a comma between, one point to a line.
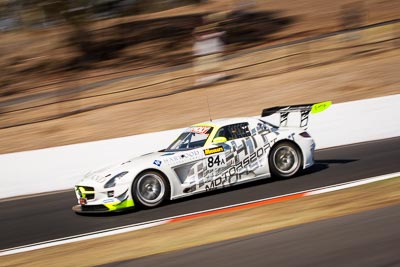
x=150, y=188
x=286, y=159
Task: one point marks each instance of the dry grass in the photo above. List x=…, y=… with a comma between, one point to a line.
x=43, y=49
x=213, y=228
x=343, y=75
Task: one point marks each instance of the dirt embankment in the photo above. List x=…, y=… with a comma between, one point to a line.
x=339, y=68
x=53, y=59
x=338, y=75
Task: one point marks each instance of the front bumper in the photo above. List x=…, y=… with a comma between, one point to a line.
x=93, y=200
x=90, y=209
x=104, y=208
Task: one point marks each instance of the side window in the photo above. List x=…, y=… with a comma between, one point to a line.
x=262, y=127
x=234, y=131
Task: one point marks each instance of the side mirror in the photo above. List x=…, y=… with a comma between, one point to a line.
x=220, y=139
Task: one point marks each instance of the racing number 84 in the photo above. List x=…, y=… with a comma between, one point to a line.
x=215, y=161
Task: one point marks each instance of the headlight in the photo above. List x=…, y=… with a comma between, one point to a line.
x=112, y=181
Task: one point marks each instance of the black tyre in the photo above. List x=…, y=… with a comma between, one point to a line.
x=150, y=189
x=285, y=160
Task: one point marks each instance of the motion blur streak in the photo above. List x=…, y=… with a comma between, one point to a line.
x=185, y=217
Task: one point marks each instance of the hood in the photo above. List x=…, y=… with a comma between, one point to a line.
x=101, y=176
x=146, y=161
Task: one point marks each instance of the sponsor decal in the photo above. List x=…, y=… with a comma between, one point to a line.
x=238, y=161
x=108, y=200
x=179, y=158
x=319, y=107
x=157, y=163
x=200, y=129
x=233, y=174
x=214, y=150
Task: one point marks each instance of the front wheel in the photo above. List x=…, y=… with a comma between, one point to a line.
x=150, y=189
x=285, y=160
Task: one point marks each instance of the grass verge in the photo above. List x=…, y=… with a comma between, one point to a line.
x=213, y=228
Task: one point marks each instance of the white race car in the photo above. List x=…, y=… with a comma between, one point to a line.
x=206, y=156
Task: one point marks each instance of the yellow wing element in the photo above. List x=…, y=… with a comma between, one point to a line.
x=319, y=107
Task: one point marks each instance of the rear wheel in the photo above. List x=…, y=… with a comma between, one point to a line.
x=285, y=160
x=150, y=189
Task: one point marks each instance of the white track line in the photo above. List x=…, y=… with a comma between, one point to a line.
x=62, y=241
x=135, y=227
x=352, y=184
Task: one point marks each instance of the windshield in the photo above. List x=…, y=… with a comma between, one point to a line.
x=193, y=137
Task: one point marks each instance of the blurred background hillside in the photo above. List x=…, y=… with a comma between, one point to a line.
x=76, y=71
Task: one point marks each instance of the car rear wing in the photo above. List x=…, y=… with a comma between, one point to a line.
x=303, y=109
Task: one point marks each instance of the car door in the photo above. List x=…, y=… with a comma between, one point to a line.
x=239, y=160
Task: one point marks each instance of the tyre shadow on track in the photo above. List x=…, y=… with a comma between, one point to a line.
x=320, y=165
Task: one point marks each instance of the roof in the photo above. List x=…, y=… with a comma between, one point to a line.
x=224, y=121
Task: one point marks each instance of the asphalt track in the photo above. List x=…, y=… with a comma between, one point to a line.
x=365, y=239
x=42, y=218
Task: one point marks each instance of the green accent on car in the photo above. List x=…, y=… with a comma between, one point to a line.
x=120, y=205
x=219, y=140
x=319, y=107
x=84, y=192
